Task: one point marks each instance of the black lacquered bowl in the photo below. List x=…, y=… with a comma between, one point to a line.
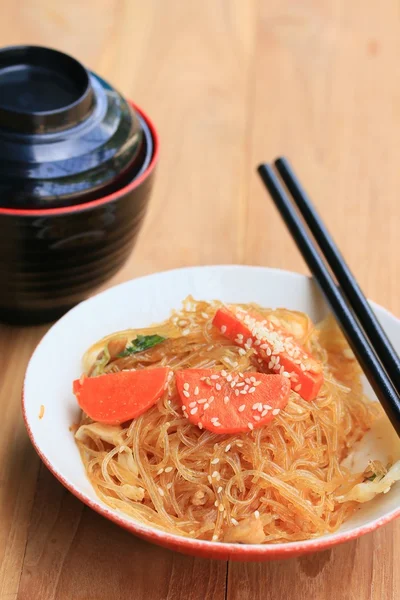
x=51, y=259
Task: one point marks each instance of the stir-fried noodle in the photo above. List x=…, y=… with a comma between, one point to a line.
x=278, y=483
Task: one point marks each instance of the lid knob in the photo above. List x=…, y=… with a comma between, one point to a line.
x=42, y=90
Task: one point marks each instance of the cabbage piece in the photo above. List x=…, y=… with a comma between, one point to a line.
x=379, y=446
x=107, y=433
x=366, y=491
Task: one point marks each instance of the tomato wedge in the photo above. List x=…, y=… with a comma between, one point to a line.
x=118, y=397
x=276, y=347
x=230, y=403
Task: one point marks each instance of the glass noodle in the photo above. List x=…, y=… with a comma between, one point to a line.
x=278, y=483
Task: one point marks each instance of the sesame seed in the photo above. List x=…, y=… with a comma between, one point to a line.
x=186, y=386
x=206, y=406
x=196, y=391
x=216, y=503
x=271, y=364
x=186, y=394
x=202, y=401
x=214, y=377
x=234, y=522
x=238, y=341
x=256, y=383
x=264, y=412
x=186, y=332
x=160, y=471
x=226, y=399
x=183, y=407
x=252, y=390
x=218, y=386
x=257, y=514
x=192, y=404
x=219, y=490
x=168, y=469
x=223, y=329
x=211, y=399
x=241, y=407
x=161, y=491
x=250, y=426
x=204, y=315
x=237, y=392
x=257, y=343
x=248, y=381
x=185, y=414
x=348, y=353
x=264, y=346
x=240, y=384
x=194, y=410
x=169, y=485
x=256, y=417
x=200, y=425
x=214, y=538
x=256, y=406
x=221, y=507
x=297, y=388
x=239, y=444
x=287, y=374
x=233, y=383
x=214, y=474
x=244, y=392
x=228, y=448
x=267, y=407
x=209, y=478
x=242, y=352
x=223, y=373
x=217, y=424
x=215, y=461
x=276, y=411
x=302, y=367
x=229, y=377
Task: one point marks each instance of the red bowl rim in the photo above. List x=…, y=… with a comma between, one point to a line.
x=216, y=550
x=39, y=212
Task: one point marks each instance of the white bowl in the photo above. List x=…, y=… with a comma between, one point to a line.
x=56, y=362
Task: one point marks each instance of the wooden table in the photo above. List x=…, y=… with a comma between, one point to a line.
x=229, y=84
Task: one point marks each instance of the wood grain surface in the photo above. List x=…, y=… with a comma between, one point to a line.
x=229, y=83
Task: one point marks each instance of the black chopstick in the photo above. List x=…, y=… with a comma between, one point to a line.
x=362, y=348
x=349, y=286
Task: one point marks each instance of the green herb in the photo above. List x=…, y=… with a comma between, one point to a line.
x=141, y=343
x=372, y=477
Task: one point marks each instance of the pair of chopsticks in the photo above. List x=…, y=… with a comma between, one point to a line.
x=375, y=353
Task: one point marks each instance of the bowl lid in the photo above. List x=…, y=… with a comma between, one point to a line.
x=66, y=136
